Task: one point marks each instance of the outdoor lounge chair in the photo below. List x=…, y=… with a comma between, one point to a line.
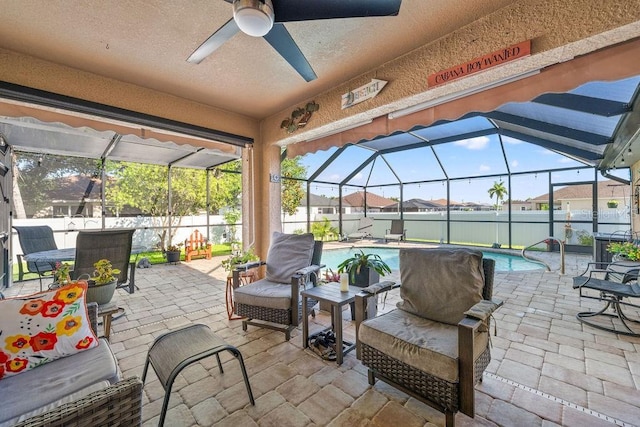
x=112, y=244
x=274, y=302
x=396, y=232
x=35, y=239
x=614, y=284
x=365, y=226
x=435, y=345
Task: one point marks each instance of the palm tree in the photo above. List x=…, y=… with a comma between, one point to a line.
x=499, y=191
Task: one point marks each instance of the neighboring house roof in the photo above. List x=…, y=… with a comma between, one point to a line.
x=443, y=202
x=73, y=188
x=373, y=200
x=320, y=201
x=607, y=189
x=417, y=204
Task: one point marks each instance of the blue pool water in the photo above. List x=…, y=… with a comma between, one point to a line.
x=504, y=262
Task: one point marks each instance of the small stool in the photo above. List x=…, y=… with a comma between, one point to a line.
x=172, y=352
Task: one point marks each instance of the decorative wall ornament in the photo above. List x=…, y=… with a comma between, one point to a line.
x=299, y=117
x=368, y=91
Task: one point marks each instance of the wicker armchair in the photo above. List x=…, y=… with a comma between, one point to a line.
x=436, y=359
x=117, y=405
x=274, y=302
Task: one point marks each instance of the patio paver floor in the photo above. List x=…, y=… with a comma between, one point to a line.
x=546, y=369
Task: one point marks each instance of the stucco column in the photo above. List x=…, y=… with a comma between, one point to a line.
x=261, y=201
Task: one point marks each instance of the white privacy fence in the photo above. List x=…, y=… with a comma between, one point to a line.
x=66, y=229
x=483, y=227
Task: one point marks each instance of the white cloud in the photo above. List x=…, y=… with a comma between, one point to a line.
x=565, y=160
x=335, y=178
x=478, y=143
x=514, y=163
x=484, y=168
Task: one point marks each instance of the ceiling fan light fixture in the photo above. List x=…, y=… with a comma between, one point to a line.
x=254, y=17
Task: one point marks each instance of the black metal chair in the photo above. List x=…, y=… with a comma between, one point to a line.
x=35, y=239
x=114, y=245
x=613, y=284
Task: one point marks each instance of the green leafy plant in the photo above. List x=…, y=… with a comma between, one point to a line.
x=239, y=258
x=358, y=261
x=323, y=230
x=628, y=250
x=104, y=272
x=61, y=274
x=174, y=248
x=585, y=238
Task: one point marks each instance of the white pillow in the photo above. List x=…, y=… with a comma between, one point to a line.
x=43, y=327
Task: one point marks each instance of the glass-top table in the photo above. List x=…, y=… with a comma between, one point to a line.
x=69, y=254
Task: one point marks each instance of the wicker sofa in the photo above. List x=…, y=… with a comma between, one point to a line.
x=46, y=396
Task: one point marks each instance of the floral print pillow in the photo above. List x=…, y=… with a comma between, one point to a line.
x=43, y=327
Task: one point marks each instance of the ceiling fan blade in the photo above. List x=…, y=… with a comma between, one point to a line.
x=296, y=10
x=282, y=41
x=216, y=40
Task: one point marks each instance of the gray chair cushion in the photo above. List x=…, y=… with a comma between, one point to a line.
x=264, y=293
x=51, y=382
x=428, y=346
x=440, y=284
x=288, y=253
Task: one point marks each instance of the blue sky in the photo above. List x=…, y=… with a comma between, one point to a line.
x=474, y=158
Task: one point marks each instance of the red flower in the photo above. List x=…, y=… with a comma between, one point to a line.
x=17, y=364
x=84, y=343
x=16, y=343
x=43, y=341
x=1, y=371
x=32, y=307
x=3, y=358
x=52, y=308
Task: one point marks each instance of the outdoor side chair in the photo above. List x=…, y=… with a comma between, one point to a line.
x=435, y=345
x=32, y=239
x=293, y=263
x=365, y=226
x=112, y=244
x=613, y=284
x=396, y=232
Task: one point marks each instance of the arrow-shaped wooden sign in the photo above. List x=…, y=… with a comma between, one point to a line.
x=362, y=93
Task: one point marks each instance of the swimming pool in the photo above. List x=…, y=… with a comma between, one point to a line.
x=504, y=262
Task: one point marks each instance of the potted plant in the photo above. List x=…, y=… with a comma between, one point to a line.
x=364, y=270
x=612, y=203
x=237, y=258
x=361, y=267
x=172, y=253
x=624, y=251
x=62, y=274
x=103, y=283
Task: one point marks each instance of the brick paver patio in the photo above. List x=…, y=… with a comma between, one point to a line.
x=547, y=368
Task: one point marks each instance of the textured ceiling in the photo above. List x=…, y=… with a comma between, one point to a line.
x=147, y=42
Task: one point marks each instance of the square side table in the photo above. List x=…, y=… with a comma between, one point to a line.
x=329, y=293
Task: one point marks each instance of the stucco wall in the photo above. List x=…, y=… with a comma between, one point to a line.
x=556, y=28
x=39, y=74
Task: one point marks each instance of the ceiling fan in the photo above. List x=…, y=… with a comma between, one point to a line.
x=264, y=18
